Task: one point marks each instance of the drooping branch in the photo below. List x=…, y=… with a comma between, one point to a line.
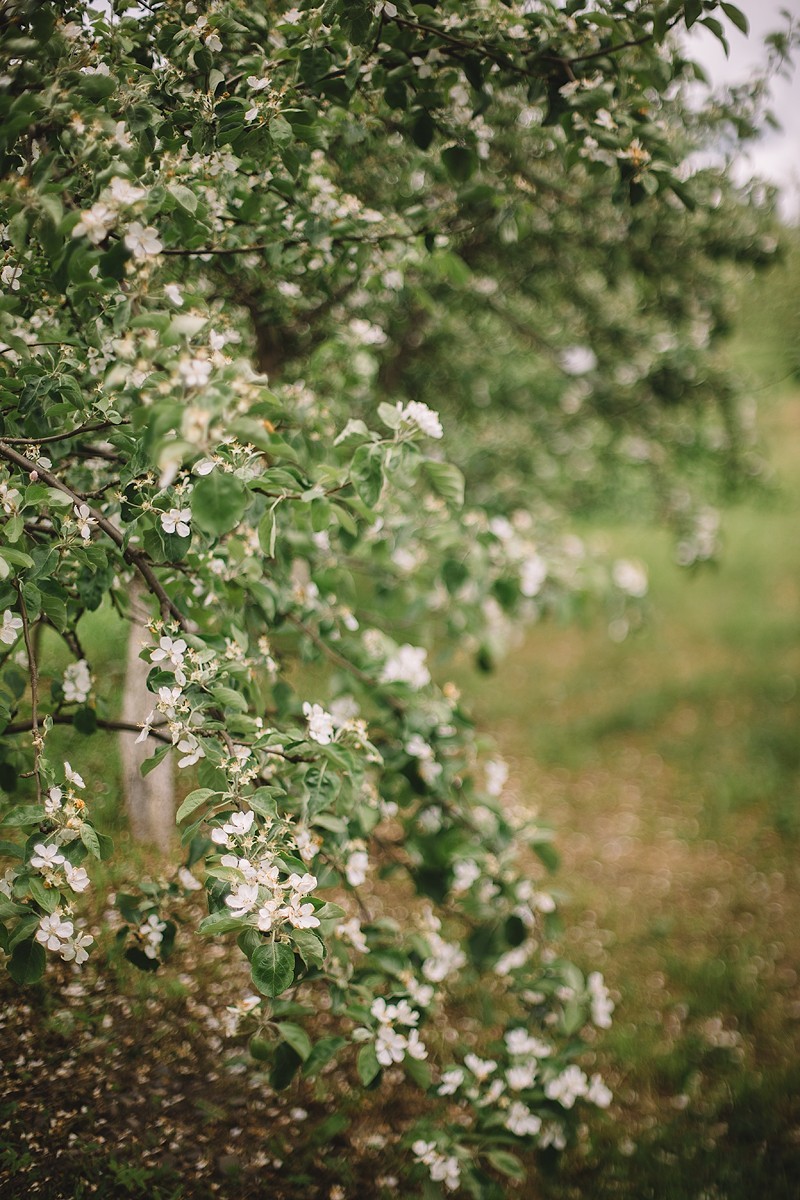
x=136, y=558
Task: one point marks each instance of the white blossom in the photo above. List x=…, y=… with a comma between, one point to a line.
x=464, y=875
x=171, y=652
x=10, y=277
x=124, y=193
x=532, y=575
x=195, y=372
x=390, y=1046
x=243, y=899
x=520, y=1042
x=481, y=1068
x=320, y=723
x=152, y=933
x=299, y=915
x=95, y=223
x=601, y=1003
x=52, y=801
x=407, y=665
x=521, y=1077
x=356, y=868
x=143, y=241
x=597, y=1092
x=630, y=577
x=452, y=1079
x=53, y=930
x=567, y=1087
x=578, y=360
x=418, y=416
x=352, y=932
x=443, y=1168
x=187, y=880
x=10, y=630
x=84, y=520
x=77, y=682
x=191, y=748
x=176, y=520
x=174, y=294
x=73, y=777
x=76, y=877
x=48, y=857
x=238, y=824
x=75, y=950
x=521, y=1121
x=10, y=499
x=496, y=776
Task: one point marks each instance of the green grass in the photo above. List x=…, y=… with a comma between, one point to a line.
x=669, y=766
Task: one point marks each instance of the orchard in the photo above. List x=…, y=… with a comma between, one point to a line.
x=317, y=325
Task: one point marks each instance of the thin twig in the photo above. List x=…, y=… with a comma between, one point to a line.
x=332, y=654
x=154, y=731
x=62, y=437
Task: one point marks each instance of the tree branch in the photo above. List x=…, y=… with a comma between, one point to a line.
x=62, y=437
x=112, y=726
x=136, y=558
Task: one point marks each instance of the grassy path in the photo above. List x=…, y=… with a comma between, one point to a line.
x=669, y=766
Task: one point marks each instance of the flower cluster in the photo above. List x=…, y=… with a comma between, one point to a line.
x=444, y=1168
x=58, y=934
x=391, y=1046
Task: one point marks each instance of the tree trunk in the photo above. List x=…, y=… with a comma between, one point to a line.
x=149, y=799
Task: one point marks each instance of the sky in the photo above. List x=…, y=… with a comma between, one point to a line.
x=776, y=156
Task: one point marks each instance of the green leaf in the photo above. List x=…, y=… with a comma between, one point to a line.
x=48, y=898
x=218, y=503
x=27, y=962
x=28, y=814
x=184, y=195
x=287, y=1062
x=366, y=472
x=459, y=162
x=507, y=1164
x=737, y=16
x=308, y=946
x=193, y=801
x=419, y=1071
x=272, y=968
x=322, y=1052
x=268, y=532
x=90, y=839
x=261, y=1048
x=217, y=923
x=446, y=479
x=693, y=10
x=547, y=854
x=296, y=1037
x=367, y=1064
x=150, y=764
x=9, y=909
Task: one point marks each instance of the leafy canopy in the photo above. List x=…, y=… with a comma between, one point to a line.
x=261, y=266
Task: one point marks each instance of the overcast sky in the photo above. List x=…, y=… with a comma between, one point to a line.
x=777, y=155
